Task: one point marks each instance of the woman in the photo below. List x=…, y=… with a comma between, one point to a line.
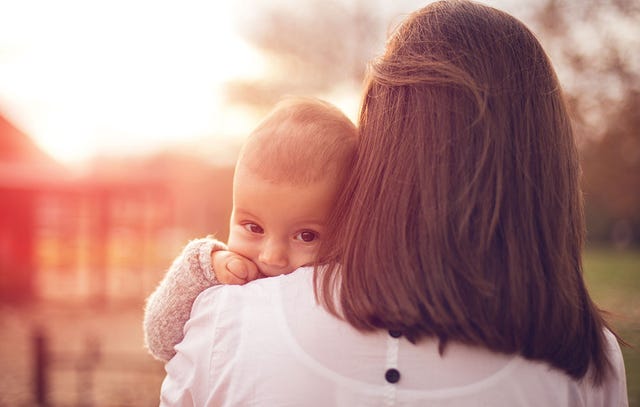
x=455, y=275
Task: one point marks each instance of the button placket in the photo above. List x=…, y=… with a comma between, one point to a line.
x=392, y=374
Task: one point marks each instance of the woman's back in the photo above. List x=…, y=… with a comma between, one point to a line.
x=285, y=349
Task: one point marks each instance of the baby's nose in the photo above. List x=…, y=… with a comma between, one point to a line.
x=274, y=254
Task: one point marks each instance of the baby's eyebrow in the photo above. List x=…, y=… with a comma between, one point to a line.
x=243, y=212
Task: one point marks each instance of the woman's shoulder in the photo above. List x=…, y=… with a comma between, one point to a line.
x=268, y=286
x=615, y=384
x=549, y=385
x=260, y=290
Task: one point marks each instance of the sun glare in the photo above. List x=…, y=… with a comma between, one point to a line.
x=87, y=77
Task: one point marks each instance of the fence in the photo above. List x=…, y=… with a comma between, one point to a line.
x=85, y=365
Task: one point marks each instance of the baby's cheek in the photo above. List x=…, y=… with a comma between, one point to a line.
x=242, y=246
x=305, y=257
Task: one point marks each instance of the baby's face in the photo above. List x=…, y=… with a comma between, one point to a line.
x=277, y=225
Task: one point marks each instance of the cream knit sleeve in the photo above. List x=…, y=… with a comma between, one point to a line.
x=168, y=308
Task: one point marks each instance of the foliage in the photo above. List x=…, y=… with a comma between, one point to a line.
x=312, y=49
x=612, y=177
x=595, y=43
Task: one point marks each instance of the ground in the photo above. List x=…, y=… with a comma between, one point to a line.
x=97, y=356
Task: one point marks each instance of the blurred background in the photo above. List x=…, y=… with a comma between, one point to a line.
x=120, y=122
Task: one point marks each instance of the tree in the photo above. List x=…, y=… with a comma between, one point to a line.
x=612, y=176
x=314, y=49
x=597, y=44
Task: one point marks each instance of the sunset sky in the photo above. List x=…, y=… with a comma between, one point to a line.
x=120, y=76
x=95, y=77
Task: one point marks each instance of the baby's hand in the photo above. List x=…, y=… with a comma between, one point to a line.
x=232, y=268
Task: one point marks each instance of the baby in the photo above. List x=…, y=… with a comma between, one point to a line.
x=286, y=180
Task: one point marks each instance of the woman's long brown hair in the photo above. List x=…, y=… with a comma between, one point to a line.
x=463, y=219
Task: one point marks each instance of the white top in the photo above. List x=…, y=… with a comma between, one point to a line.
x=268, y=343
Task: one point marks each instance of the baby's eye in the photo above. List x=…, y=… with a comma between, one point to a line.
x=253, y=228
x=306, y=236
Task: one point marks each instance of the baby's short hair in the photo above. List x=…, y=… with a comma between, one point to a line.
x=300, y=141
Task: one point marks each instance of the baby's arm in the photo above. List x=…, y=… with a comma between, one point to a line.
x=169, y=307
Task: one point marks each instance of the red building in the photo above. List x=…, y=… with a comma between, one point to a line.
x=65, y=237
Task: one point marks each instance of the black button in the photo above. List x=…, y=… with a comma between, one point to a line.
x=392, y=375
x=395, y=334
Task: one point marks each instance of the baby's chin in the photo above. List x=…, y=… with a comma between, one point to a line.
x=279, y=272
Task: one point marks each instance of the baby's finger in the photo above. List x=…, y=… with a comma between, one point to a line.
x=252, y=271
x=220, y=259
x=230, y=279
x=226, y=277
x=238, y=268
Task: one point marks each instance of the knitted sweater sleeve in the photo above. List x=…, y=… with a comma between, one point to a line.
x=168, y=308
